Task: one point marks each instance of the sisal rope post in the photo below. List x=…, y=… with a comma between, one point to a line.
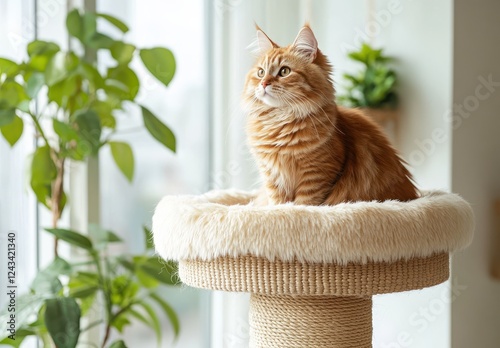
x=310, y=321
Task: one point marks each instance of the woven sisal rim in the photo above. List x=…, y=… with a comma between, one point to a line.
x=225, y=223
x=258, y=275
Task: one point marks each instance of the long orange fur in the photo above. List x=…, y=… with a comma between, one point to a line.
x=308, y=149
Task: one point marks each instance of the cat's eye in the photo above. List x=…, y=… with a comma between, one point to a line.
x=284, y=71
x=261, y=72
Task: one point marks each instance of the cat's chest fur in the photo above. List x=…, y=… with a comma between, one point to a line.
x=282, y=152
x=283, y=172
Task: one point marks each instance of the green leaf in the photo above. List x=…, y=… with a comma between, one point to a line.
x=92, y=75
x=8, y=67
x=165, y=272
x=72, y=145
x=13, y=131
x=62, y=91
x=74, y=24
x=105, y=111
x=127, y=78
x=34, y=84
x=120, y=323
x=127, y=263
x=118, y=344
x=145, y=279
x=11, y=94
x=62, y=317
x=24, y=106
x=114, y=21
x=122, y=52
x=39, y=63
x=89, y=29
x=124, y=158
x=65, y=132
x=160, y=62
x=59, y=66
x=71, y=237
x=86, y=303
x=148, y=237
x=42, y=48
x=89, y=129
x=169, y=311
x=83, y=291
x=83, y=285
x=43, y=172
x=123, y=290
x=101, y=237
x=59, y=267
x=139, y=316
x=116, y=89
x=84, y=28
x=155, y=322
x=7, y=116
x=99, y=40
x=158, y=130
x=46, y=284
x=87, y=277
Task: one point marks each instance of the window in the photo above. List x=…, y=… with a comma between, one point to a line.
x=124, y=207
x=183, y=106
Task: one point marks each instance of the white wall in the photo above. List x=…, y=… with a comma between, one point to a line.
x=476, y=169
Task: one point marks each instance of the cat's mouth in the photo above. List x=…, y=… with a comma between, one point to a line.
x=267, y=97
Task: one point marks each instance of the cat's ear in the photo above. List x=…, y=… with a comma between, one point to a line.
x=305, y=44
x=262, y=43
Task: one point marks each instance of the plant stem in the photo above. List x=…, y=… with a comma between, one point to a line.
x=106, y=336
x=106, y=292
x=57, y=192
x=57, y=185
x=39, y=128
x=112, y=318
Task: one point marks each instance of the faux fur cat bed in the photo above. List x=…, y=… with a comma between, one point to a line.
x=222, y=223
x=311, y=270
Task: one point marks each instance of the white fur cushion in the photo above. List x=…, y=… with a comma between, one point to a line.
x=222, y=223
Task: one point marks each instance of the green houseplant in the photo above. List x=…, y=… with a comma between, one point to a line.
x=76, y=121
x=373, y=87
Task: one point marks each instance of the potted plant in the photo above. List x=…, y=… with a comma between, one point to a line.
x=76, y=122
x=373, y=87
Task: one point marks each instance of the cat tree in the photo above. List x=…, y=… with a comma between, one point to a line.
x=311, y=271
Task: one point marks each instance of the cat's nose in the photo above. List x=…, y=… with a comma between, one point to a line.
x=265, y=83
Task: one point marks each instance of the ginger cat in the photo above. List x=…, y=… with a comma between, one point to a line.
x=309, y=150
